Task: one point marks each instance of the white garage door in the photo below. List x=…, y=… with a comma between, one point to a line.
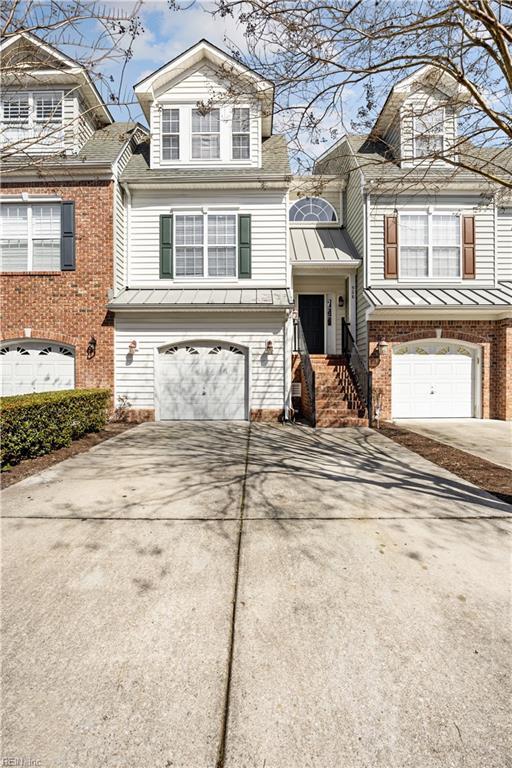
x=204, y=380
x=36, y=366
x=433, y=380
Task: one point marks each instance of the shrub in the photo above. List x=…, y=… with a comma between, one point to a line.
x=33, y=425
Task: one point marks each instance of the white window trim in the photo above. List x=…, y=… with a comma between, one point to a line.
x=417, y=133
x=238, y=133
x=205, y=277
x=30, y=241
x=169, y=107
x=32, y=123
x=429, y=276
x=218, y=133
x=314, y=224
x=225, y=160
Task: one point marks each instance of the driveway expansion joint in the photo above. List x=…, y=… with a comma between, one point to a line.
x=227, y=698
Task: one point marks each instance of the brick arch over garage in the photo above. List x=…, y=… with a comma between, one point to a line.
x=487, y=334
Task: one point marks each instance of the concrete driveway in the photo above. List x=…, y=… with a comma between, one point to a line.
x=488, y=439
x=202, y=595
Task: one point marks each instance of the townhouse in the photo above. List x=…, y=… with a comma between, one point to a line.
x=187, y=269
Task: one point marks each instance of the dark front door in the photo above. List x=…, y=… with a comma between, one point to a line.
x=311, y=313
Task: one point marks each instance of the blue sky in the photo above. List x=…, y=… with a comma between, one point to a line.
x=166, y=34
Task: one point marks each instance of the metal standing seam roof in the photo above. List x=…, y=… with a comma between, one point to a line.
x=209, y=298
x=441, y=298
x=329, y=245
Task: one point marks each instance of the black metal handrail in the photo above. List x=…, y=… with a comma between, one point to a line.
x=361, y=375
x=300, y=346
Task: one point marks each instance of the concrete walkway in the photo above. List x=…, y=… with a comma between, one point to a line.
x=486, y=438
x=202, y=595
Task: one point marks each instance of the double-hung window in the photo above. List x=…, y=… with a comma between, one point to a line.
x=240, y=137
x=430, y=245
x=30, y=237
x=47, y=109
x=170, y=134
x=206, y=245
x=33, y=114
x=429, y=132
x=206, y=135
x=15, y=110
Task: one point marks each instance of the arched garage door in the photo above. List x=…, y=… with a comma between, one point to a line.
x=433, y=380
x=36, y=366
x=202, y=380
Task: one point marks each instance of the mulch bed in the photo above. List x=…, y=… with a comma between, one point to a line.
x=487, y=476
x=31, y=466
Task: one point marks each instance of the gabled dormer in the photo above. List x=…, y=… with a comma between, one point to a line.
x=49, y=103
x=418, y=122
x=205, y=110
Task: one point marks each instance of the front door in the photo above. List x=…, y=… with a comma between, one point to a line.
x=311, y=314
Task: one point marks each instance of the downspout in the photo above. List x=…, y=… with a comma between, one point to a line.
x=127, y=232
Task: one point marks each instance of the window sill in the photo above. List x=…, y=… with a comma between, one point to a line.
x=33, y=273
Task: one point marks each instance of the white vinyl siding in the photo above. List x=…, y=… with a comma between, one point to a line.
x=268, y=212
x=505, y=243
x=120, y=219
x=463, y=204
x=30, y=237
x=199, y=85
x=136, y=379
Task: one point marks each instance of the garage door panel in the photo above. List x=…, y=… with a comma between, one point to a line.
x=434, y=384
x=203, y=381
x=32, y=366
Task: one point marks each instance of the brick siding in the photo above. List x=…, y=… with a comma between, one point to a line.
x=493, y=336
x=69, y=307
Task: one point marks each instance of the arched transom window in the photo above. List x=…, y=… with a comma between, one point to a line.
x=312, y=209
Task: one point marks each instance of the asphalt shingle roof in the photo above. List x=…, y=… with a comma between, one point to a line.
x=102, y=148
x=274, y=163
x=378, y=164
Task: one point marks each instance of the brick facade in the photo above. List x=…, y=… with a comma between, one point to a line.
x=493, y=336
x=69, y=307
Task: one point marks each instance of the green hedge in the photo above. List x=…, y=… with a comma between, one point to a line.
x=33, y=425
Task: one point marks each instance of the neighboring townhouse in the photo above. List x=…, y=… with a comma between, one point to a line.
x=434, y=293
x=61, y=221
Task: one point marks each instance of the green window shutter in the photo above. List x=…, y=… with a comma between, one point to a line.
x=165, y=247
x=244, y=245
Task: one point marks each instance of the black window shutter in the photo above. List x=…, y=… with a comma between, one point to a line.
x=244, y=245
x=67, y=225
x=165, y=246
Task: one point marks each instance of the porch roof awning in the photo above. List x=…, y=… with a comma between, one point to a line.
x=330, y=245
x=202, y=298
x=441, y=298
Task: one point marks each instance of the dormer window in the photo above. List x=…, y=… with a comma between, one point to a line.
x=33, y=114
x=241, y=140
x=429, y=133
x=170, y=134
x=206, y=135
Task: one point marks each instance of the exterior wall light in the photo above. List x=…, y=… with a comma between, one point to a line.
x=91, y=348
x=269, y=348
x=382, y=347
x=132, y=347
